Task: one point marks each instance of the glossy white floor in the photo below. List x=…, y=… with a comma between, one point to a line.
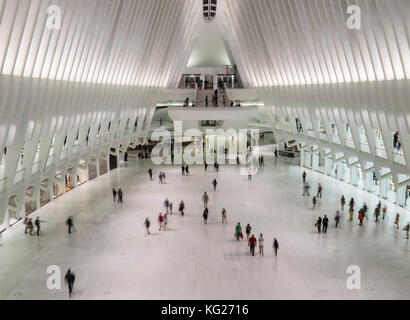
x=113, y=259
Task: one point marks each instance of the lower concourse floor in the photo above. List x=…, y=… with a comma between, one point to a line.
x=114, y=259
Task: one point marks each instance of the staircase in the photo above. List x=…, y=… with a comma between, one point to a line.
x=201, y=95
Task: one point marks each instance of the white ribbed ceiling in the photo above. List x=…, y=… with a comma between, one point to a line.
x=128, y=42
x=297, y=42
x=148, y=43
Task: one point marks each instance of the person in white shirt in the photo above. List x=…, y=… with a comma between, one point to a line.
x=261, y=241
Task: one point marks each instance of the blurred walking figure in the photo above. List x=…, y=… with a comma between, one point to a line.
x=70, y=223
x=160, y=178
x=384, y=211
x=319, y=191
x=252, y=244
x=248, y=231
x=170, y=207
x=214, y=183
x=119, y=195
x=361, y=217
x=306, y=188
x=396, y=221
x=29, y=226
x=37, y=222
x=314, y=202
x=205, y=200
x=304, y=176
x=187, y=170
x=342, y=203
x=318, y=224
x=165, y=221
x=337, y=219
x=166, y=205
x=325, y=223
x=275, y=246
x=181, y=208
x=150, y=174
x=238, y=231
x=377, y=214
x=261, y=242
x=183, y=170
x=407, y=228
x=160, y=220
x=69, y=279
x=114, y=194
x=147, y=224
x=224, y=216
x=205, y=215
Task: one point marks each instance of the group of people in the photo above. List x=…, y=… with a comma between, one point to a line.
x=322, y=223
x=117, y=195
x=30, y=226
x=161, y=177
x=252, y=241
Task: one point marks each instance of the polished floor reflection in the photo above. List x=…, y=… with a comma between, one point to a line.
x=113, y=259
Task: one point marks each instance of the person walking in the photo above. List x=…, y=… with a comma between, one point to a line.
x=119, y=195
x=70, y=223
x=319, y=191
x=165, y=221
x=205, y=215
x=337, y=219
x=166, y=205
x=407, y=228
x=205, y=199
x=114, y=194
x=304, y=176
x=206, y=101
x=150, y=174
x=351, y=204
x=325, y=223
x=350, y=214
x=306, y=188
x=361, y=217
x=160, y=220
x=206, y=165
x=187, y=170
x=69, y=280
x=183, y=170
x=223, y=213
x=314, y=202
x=29, y=226
x=147, y=224
x=238, y=231
x=318, y=224
x=384, y=211
x=261, y=242
x=396, y=221
x=251, y=244
x=37, y=222
x=248, y=231
x=214, y=183
x=377, y=214
x=342, y=202
x=181, y=208
x=170, y=208
x=275, y=246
